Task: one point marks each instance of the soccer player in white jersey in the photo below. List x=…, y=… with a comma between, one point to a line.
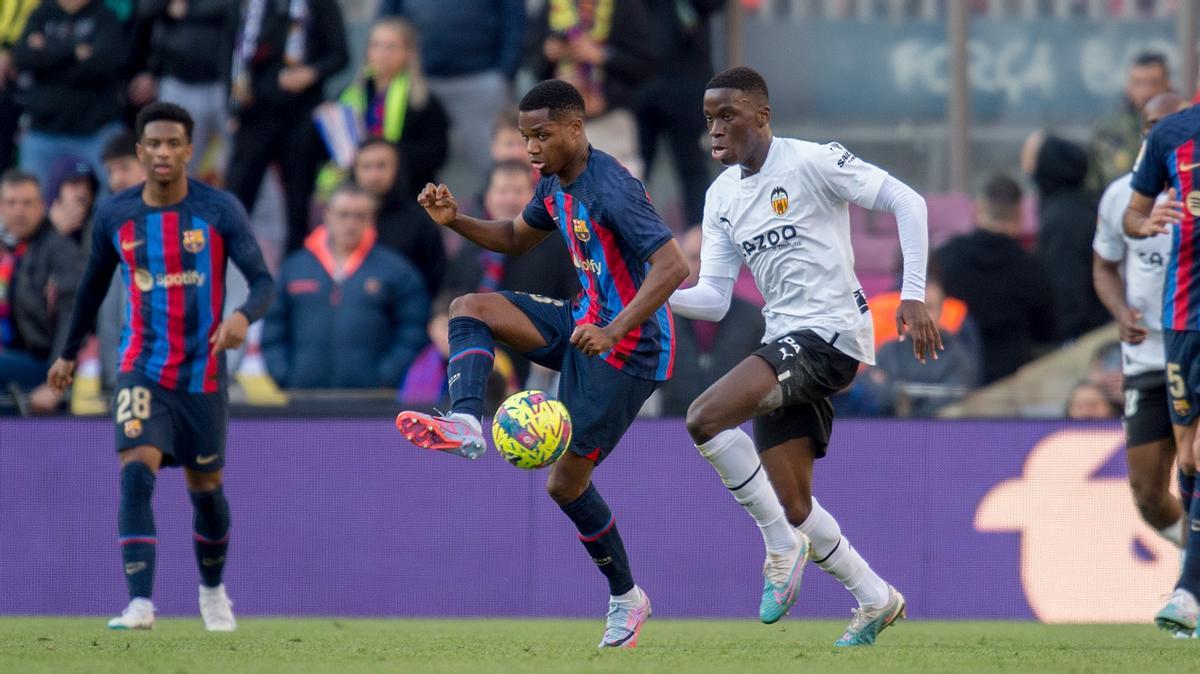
x=782, y=209
x=1136, y=303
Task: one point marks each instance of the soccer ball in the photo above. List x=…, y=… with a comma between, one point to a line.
x=530, y=430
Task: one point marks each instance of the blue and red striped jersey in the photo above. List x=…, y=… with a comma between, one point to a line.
x=611, y=230
x=1170, y=159
x=173, y=262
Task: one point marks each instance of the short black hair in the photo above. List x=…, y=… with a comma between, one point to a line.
x=1150, y=58
x=161, y=111
x=378, y=141
x=560, y=98
x=742, y=78
x=15, y=176
x=123, y=144
x=1001, y=197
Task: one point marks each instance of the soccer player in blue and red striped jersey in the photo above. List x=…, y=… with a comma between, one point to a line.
x=613, y=344
x=1170, y=159
x=172, y=238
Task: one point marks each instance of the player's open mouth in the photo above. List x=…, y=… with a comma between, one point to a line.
x=719, y=152
x=537, y=163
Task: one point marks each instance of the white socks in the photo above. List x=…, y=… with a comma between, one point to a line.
x=834, y=554
x=1174, y=532
x=630, y=597
x=735, y=459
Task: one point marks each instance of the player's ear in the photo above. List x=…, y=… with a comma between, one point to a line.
x=763, y=114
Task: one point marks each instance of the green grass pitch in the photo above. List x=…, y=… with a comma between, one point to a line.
x=180, y=646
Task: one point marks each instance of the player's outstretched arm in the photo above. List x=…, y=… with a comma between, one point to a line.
x=1145, y=218
x=511, y=237
x=668, y=268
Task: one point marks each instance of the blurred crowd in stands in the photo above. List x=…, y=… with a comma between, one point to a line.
x=365, y=279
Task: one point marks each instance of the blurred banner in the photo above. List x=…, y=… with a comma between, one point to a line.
x=1004, y=520
x=1042, y=71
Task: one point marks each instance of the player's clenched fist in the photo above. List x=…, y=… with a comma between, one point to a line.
x=593, y=339
x=60, y=376
x=439, y=203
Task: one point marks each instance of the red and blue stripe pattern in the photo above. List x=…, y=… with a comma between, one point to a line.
x=1181, y=293
x=174, y=267
x=610, y=273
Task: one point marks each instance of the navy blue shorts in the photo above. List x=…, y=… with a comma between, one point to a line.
x=1183, y=374
x=602, y=400
x=188, y=428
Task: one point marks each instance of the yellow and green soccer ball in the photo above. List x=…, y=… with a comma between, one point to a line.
x=530, y=430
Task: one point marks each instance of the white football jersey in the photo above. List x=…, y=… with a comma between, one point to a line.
x=1144, y=267
x=790, y=223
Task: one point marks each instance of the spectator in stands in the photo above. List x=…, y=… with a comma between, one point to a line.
x=350, y=313
x=1006, y=289
x=74, y=98
x=471, y=50
x=1087, y=401
x=71, y=190
x=13, y=15
x=284, y=53
x=392, y=98
x=606, y=50
x=667, y=103
x=192, y=44
x=401, y=224
x=1067, y=224
x=506, y=143
x=122, y=169
x=921, y=389
x=39, y=273
x=709, y=349
x=1117, y=137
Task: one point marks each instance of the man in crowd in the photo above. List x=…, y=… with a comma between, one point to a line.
x=39, y=272
x=1006, y=288
x=350, y=313
x=1117, y=137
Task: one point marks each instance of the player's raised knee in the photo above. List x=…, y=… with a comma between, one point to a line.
x=702, y=423
x=473, y=305
x=563, y=491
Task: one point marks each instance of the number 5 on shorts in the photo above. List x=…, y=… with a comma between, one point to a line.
x=133, y=403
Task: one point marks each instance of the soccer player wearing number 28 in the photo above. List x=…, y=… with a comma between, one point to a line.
x=782, y=209
x=172, y=238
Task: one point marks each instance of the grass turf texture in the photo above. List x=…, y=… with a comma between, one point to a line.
x=37, y=645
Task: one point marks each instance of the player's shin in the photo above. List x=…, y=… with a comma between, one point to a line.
x=1187, y=488
x=210, y=523
x=598, y=533
x=135, y=526
x=835, y=556
x=1189, y=578
x=471, y=356
x=733, y=456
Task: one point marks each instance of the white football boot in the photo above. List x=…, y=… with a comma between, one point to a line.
x=216, y=609
x=139, y=615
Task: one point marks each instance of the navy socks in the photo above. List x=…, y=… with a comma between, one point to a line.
x=211, y=533
x=135, y=526
x=471, y=356
x=598, y=533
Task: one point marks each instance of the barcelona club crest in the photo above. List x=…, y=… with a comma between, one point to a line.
x=133, y=428
x=193, y=240
x=779, y=200
x=581, y=229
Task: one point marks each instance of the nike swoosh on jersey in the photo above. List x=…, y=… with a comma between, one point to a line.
x=1189, y=167
x=130, y=245
x=205, y=460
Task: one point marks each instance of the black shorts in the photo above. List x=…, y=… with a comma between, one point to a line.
x=1183, y=374
x=602, y=400
x=1147, y=412
x=188, y=428
x=810, y=370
